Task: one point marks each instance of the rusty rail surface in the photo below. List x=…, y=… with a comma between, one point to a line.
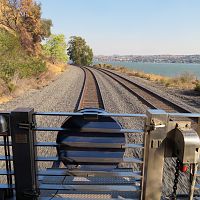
x=90, y=96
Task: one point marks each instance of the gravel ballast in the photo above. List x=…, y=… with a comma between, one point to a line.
x=185, y=98
x=59, y=95
x=117, y=99
x=62, y=95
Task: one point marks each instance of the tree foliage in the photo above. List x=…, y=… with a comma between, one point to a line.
x=79, y=52
x=14, y=60
x=24, y=18
x=55, y=48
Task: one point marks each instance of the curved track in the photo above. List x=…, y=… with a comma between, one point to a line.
x=90, y=96
x=146, y=96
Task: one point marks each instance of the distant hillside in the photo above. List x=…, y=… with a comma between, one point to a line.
x=151, y=58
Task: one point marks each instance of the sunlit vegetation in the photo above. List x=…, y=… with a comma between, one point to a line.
x=23, y=52
x=55, y=49
x=15, y=60
x=79, y=52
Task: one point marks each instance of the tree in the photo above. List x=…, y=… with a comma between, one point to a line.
x=24, y=18
x=55, y=48
x=14, y=60
x=79, y=52
x=9, y=44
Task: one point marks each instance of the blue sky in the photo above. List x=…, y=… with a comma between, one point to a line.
x=139, y=27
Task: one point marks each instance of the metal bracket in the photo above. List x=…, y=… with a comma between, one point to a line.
x=155, y=123
x=178, y=124
x=90, y=116
x=3, y=125
x=155, y=143
x=32, y=193
x=154, y=126
x=27, y=125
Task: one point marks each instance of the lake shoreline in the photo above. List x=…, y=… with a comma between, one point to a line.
x=163, y=69
x=187, y=96
x=183, y=81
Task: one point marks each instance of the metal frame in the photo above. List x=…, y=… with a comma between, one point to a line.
x=154, y=154
x=167, y=138
x=156, y=146
x=24, y=154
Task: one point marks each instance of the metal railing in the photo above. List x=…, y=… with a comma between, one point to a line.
x=162, y=138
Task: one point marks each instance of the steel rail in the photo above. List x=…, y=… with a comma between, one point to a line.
x=148, y=97
x=82, y=89
x=104, y=114
x=90, y=96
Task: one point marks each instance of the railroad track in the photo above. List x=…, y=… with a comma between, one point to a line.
x=146, y=96
x=90, y=96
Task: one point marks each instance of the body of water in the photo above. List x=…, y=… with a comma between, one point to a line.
x=165, y=69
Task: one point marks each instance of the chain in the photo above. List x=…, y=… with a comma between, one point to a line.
x=176, y=179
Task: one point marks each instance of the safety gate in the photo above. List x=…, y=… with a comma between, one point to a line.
x=94, y=167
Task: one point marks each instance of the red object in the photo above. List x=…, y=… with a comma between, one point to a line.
x=183, y=168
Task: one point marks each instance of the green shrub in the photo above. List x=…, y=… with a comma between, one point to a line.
x=7, y=70
x=11, y=87
x=197, y=86
x=13, y=59
x=31, y=67
x=167, y=84
x=25, y=68
x=109, y=67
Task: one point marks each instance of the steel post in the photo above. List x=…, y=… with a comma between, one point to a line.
x=24, y=154
x=154, y=154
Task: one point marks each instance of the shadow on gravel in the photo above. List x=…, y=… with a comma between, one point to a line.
x=190, y=93
x=192, y=97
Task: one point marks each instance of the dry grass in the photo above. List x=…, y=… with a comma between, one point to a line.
x=5, y=99
x=56, y=69
x=17, y=86
x=182, y=81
